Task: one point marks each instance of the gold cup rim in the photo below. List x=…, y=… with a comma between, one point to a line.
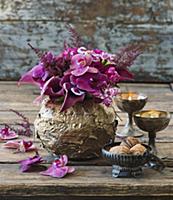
x=167, y=114
x=119, y=95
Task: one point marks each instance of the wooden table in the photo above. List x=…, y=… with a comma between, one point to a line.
x=92, y=179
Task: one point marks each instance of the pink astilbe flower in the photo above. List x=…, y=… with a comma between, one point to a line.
x=20, y=146
x=26, y=164
x=113, y=75
x=75, y=39
x=58, y=169
x=24, y=125
x=7, y=134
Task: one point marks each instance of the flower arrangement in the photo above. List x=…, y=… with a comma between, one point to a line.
x=79, y=72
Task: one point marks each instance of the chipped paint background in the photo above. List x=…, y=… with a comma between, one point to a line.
x=106, y=24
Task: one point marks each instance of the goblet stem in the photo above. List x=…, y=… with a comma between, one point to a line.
x=129, y=125
x=152, y=137
x=128, y=129
x=130, y=122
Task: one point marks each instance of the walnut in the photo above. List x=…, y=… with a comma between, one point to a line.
x=120, y=150
x=130, y=142
x=138, y=149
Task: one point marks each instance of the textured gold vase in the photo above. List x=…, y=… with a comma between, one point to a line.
x=80, y=132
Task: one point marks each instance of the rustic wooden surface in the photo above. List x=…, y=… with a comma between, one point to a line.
x=106, y=24
x=92, y=179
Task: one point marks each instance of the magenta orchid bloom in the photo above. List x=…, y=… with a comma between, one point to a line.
x=58, y=169
x=37, y=75
x=72, y=96
x=21, y=146
x=52, y=88
x=81, y=64
x=7, y=134
x=26, y=164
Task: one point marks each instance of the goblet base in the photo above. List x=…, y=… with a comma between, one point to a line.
x=126, y=132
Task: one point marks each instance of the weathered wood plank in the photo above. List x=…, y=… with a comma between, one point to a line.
x=162, y=136
x=171, y=86
x=154, y=65
x=31, y=112
x=85, y=198
x=10, y=117
x=29, y=106
x=128, y=12
x=94, y=182
x=18, y=106
x=9, y=156
x=127, y=86
x=21, y=98
x=86, y=181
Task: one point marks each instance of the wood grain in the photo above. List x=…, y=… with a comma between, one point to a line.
x=92, y=178
x=9, y=156
x=21, y=98
x=85, y=198
x=86, y=181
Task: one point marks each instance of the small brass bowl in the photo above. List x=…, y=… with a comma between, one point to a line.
x=128, y=165
x=152, y=121
x=126, y=160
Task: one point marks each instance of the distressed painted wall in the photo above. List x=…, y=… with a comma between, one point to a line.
x=107, y=24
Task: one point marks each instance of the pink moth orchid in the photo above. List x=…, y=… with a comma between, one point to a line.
x=58, y=169
x=21, y=146
x=26, y=164
x=7, y=134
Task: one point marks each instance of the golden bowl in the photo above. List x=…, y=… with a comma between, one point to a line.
x=131, y=101
x=152, y=120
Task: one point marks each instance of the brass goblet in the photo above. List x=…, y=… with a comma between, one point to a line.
x=130, y=102
x=152, y=121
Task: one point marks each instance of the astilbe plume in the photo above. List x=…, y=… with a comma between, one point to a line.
x=24, y=127
x=75, y=40
x=125, y=57
x=37, y=51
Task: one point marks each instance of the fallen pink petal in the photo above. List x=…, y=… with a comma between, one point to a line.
x=58, y=169
x=27, y=146
x=7, y=134
x=26, y=164
x=21, y=146
x=11, y=145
